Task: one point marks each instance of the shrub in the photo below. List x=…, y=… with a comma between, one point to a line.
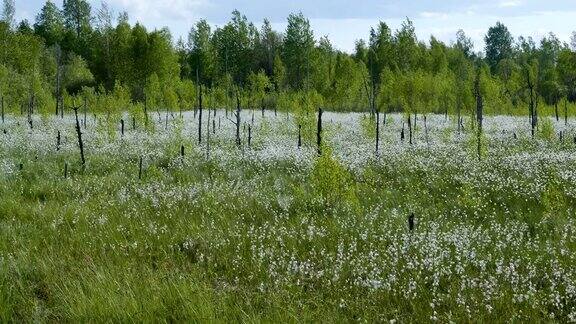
x=331, y=181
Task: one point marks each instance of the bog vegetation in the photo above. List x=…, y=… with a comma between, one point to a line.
x=252, y=175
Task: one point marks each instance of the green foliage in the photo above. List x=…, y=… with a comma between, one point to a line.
x=348, y=91
x=546, y=129
x=77, y=75
x=258, y=86
x=50, y=23
x=331, y=182
x=498, y=45
x=472, y=138
x=298, y=47
x=368, y=125
x=554, y=200
x=305, y=107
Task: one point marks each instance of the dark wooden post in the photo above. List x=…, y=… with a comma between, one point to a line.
x=182, y=150
x=2, y=105
x=65, y=170
x=411, y=222
x=122, y=127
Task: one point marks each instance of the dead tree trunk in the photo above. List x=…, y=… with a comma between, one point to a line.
x=299, y=136
x=208, y=133
x=249, y=135
x=532, y=107
x=556, y=111
x=2, y=106
x=319, y=132
x=79, y=133
x=199, y=107
x=479, y=112
x=122, y=127
x=377, y=129
x=58, y=79
x=410, y=129
x=565, y=113
x=58, y=141
x=30, y=110
x=262, y=107
x=458, y=113
x=238, y=119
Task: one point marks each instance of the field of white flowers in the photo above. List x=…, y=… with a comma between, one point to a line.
x=272, y=232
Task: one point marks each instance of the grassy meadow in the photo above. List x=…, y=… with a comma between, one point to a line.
x=271, y=232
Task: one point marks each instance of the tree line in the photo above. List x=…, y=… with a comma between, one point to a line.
x=77, y=54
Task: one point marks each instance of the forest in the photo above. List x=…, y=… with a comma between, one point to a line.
x=77, y=53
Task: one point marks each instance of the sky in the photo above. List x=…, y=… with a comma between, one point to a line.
x=345, y=21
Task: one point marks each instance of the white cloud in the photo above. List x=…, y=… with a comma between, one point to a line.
x=509, y=3
x=165, y=10
x=433, y=15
